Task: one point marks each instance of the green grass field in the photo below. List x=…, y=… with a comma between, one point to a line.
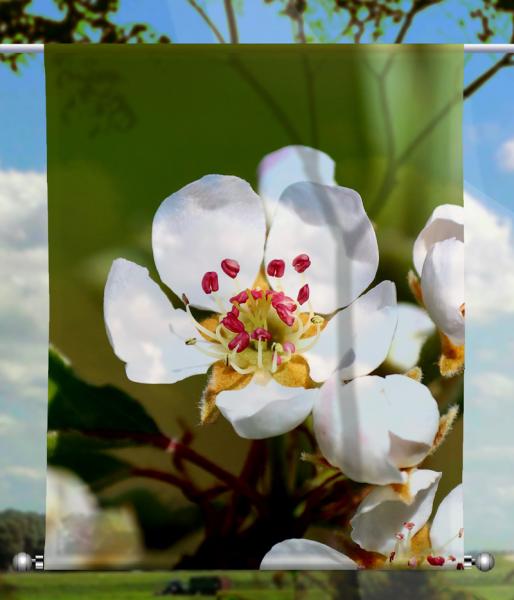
x=495, y=585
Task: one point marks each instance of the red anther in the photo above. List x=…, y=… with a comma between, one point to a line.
x=210, y=282
x=280, y=298
x=289, y=347
x=435, y=561
x=240, y=298
x=232, y=323
x=276, y=267
x=301, y=263
x=230, y=267
x=303, y=294
x=460, y=567
x=240, y=342
x=261, y=334
x=234, y=311
x=284, y=314
x=257, y=294
x=409, y=525
x=399, y=536
x=391, y=556
x=452, y=558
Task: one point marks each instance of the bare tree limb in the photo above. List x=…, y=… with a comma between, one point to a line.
x=505, y=61
x=407, y=22
x=232, y=23
x=301, y=30
x=417, y=7
x=210, y=23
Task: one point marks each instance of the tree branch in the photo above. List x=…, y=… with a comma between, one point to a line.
x=186, y=453
x=505, y=61
x=409, y=17
x=232, y=24
x=417, y=7
x=210, y=23
x=302, y=39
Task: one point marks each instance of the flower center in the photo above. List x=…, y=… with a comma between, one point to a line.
x=258, y=329
x=435, y=557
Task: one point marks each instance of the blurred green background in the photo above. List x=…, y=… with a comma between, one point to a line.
x=127, y=126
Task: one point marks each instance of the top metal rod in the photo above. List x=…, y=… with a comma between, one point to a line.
x=475, y=48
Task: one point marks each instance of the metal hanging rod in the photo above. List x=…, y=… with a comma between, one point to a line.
x=474, y=48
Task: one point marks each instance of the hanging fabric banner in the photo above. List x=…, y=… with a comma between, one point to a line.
x=256, y=307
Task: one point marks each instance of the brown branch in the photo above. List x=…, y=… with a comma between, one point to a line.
x=231, y=480
x=232, y=24
x=210, y=23
x=505, y=61
x=302, y=39
x=409, y=17
x=189, y=490
x=417, y=7
x=172, y=446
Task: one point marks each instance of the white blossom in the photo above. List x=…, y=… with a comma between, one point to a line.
x=211, y=245
x=438, y=256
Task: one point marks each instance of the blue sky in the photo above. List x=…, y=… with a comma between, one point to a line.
x=489, y=172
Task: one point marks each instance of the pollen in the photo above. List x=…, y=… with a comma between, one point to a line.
x=258, y=330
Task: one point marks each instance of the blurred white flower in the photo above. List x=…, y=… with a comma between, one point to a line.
x=300, y=554
x=211, y=245
x=438, y=256
x=79, y=535
x=372, y=427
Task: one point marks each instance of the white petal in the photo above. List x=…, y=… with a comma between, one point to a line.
x=351, y=427
x=413, y=420
x=331, y=226
x=298, y=554
x=447, y=221
x=382, y=513
x=448, y=521
x=413, y=329
x=207, y=221
x=144, y=329
x=356, y=339
x=289, y=165
x=261, y=411
x=373, y=426
x=442, y=283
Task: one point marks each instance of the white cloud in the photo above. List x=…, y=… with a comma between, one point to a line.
x=506, y=492
x=506, y=155
x=24, y=472
x=491, y=453
x=489, y=262
x=24, y=276
x=489, y=386
x=7, y=424
x=24, y=339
